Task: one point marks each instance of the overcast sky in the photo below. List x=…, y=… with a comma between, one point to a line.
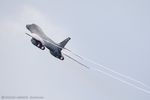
x=115, y=33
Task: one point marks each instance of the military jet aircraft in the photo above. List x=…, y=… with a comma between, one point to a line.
x=40, y=40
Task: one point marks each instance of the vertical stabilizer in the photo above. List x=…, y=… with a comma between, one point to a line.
x=64, y=42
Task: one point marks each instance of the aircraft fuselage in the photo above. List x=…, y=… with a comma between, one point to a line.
x=40, y=40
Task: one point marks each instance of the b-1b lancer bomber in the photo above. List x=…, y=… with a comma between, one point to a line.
x=40, y=40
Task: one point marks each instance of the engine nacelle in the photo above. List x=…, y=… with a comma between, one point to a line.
x=57, y=54
x=37, y=44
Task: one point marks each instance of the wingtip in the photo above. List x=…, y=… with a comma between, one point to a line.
x=69, y=38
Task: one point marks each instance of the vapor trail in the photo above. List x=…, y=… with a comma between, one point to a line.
x=123, y=81
x=116, y=73
x=109, y=69
x=113, y=71
x=112, y=76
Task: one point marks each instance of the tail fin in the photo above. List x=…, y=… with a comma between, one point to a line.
x=64, y=42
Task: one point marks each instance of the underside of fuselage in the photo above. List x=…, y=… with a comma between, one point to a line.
x=54, y=50
x=57, y=54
